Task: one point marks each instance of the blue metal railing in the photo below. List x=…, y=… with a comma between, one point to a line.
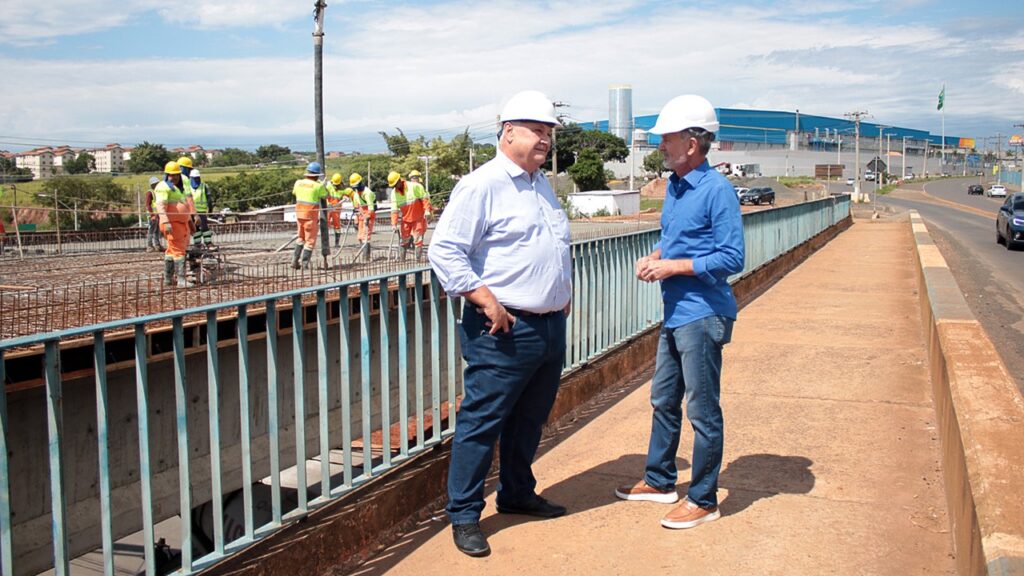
x=370, y=340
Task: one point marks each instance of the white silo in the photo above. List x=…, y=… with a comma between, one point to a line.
x=620, y=111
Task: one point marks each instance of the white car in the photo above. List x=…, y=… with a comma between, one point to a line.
x=849, y=181
x=996, y=190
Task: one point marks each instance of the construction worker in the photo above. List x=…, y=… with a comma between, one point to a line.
x=185, y=162
x=308, y=192
x=202, y=202
x=365, y=201
x=153, y=234
x=335, y=194
x=174, y=209
x=409, y=208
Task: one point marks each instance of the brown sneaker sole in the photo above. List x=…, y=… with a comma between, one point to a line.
x=682, y=525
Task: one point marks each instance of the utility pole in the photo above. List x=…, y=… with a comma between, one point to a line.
x=554, y=149
x=318, y=101
x=856, y=116
x=999, y=157
x=56, y=218
x=904, y=171
x=1020, y=161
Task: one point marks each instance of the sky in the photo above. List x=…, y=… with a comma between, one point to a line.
x=239, y=73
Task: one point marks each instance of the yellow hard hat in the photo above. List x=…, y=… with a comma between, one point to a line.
x=185, y=161
x=354, y=179
x=393, y=178
x=336, y=179
x=172, y=168
x=415, y=174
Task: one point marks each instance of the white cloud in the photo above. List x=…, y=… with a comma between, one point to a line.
x=450, y=65
x=216, y=14
x=33, y=23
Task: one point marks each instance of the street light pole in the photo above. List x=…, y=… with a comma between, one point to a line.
x=856, y=116
x=904, y=176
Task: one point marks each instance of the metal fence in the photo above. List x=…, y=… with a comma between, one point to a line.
x=330, y=386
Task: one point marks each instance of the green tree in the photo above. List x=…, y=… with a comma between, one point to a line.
x=148, y=157
x=101, y=203
x=273, y=153
x=398, y=145
x=572, y=140
x=260, y=189
x=588, y=171
x=82, y=164
x=9, y=171
x=654, y=163
x=234, y=157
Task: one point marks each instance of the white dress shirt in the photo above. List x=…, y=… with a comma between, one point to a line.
x=504, y=228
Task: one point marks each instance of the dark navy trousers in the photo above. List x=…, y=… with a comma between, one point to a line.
x=511, y=381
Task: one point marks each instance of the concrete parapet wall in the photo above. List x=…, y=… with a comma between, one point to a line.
x=981, y=423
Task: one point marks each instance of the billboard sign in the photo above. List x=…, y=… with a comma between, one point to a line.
x=1016, y=140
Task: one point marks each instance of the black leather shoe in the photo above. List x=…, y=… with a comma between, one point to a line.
x=470, y=540
x=536, y=506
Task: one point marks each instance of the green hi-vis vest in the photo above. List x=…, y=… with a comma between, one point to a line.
x=167, y=193
x=199, y=198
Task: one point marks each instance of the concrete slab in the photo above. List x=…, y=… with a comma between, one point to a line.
x=832, y=457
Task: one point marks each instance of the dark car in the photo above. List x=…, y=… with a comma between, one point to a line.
x=758, y=196
x=1010, y=221
x=976, y=189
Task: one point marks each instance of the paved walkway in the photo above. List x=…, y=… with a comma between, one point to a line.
x=831, y=462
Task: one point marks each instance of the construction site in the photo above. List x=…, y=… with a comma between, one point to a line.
x=83, y=278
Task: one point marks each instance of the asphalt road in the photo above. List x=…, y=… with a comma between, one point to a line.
x=990, y=276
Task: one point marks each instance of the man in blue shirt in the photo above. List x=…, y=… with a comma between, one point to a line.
x=701, y=245
x=502, y=244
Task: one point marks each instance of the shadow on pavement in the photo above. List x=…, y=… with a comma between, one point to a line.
x=753, y=477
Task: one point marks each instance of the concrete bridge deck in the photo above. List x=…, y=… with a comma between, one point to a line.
x=832, y=462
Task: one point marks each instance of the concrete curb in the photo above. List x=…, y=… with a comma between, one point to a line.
x=981, y=419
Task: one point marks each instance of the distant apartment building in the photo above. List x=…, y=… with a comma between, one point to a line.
x=109, y=159
x=194, y=152
x=126, y=154
x=62, y=155
x=38, y=161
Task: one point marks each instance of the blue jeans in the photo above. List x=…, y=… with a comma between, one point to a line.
x=689, y=366
x=511, y=381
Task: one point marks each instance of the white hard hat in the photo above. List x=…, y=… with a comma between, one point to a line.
x=529, y=105
x=194, y=173
x=687, y=111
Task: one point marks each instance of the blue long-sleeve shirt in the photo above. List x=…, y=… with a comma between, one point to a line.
x=701, y=221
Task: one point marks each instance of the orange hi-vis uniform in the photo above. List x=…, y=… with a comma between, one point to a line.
x=308, y=194
x=174, y=207
x=411, y=205
x=366, y=203
x=334, y=197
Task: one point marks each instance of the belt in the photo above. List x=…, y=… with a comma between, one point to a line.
x=527, y=313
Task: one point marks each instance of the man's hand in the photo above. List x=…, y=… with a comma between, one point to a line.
x=655, y=270
x=167, y=227
x=499, y=318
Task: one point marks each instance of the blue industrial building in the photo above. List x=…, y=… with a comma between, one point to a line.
x=768, y=128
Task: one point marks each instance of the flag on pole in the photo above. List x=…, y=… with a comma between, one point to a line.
x=942, y=97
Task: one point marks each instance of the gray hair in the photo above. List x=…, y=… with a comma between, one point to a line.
x=703, y=138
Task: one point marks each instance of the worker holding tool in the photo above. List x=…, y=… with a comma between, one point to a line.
x=174, y=209
x=202, y=202
x=335, y=194
x=365, y=202
x=308, y=192
x=410, y=206
x=153, y=233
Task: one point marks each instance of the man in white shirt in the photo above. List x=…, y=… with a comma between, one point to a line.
x=502, y=244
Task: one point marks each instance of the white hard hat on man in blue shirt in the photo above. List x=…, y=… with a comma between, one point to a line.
x=683, y=112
